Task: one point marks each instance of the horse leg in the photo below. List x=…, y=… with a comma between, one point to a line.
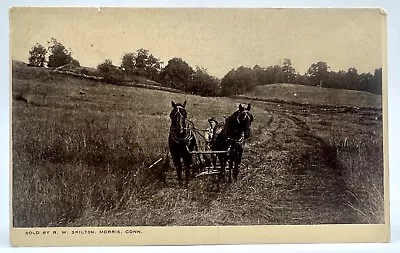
x=178, y=167
x=214, y=161
x=179, y=172
x=230, y=170
x=238, y=160
x=235, y=171
x=187, y=174
x=188, y=162
x=222, y=161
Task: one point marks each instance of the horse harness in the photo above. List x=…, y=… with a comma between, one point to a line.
x=246, y=116
x=186, y=139
x=189, y=131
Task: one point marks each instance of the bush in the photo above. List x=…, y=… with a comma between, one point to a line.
x=110, y=73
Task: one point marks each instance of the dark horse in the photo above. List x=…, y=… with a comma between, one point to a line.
x=231, y=137
x=181, y=140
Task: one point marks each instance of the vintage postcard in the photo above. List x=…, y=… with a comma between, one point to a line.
x=179, y=126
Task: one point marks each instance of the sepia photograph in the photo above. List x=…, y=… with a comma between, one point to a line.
x=168, y=117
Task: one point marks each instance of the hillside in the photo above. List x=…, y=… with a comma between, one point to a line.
x=315, y=95
x=21, y=70
x=82, y=151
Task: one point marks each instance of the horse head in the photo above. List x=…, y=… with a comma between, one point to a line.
x=178, y=117
x=244, y=119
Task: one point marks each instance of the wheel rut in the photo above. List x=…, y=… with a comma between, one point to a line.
x=305, y=172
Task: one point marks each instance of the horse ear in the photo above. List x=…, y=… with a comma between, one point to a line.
x=241, y=108
x=184, y=103
x=173, y=104
x=248, y=107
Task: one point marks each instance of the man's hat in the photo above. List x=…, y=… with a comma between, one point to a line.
x=212, y=119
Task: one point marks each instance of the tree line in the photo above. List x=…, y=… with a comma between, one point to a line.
x=243, y=79
x=178, y=74
x=55, y=55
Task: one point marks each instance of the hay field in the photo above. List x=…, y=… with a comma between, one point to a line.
x=81, y=152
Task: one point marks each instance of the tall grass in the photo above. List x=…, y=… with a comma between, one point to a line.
x=62, y=168
x=359, y=154
x=362, y=157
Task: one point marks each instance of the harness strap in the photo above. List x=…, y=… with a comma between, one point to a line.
x=238, y=141
x=188, y=136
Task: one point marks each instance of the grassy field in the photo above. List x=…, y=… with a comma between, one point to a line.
x=315, y=95
x=81, y=152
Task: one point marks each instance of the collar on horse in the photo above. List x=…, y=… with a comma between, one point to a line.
x=238, y=141
x=236, y=136
x=186, y=139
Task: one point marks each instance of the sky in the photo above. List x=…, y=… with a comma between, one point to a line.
x=216, y=39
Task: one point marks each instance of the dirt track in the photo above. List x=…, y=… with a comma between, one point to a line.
x=304, y=171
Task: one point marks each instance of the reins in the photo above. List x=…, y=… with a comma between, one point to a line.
x=196, y=130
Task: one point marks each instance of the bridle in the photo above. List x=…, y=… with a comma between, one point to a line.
x=187, y=129
x=240, y=140
x=246, y=115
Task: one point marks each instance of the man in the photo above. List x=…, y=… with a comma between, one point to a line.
x=210, y=132
x=209, y=137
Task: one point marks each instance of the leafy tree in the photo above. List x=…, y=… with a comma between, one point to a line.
x=203, y=84
x=177, y=74
x=318, y=73
x=366, y=81
x=59, y=55
x=128, y=62
x=37, y=56
x=276, y=73
x=110, y=73
x=106, y=67
x=270, y=75
x=260, y=75
x=147, y=64
x=376, y=82
x=142, y=63
x=288, y=71
x=75, y=62
x=351, y=79
x=336, y=80
x=238, y=81
x=301, y=79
